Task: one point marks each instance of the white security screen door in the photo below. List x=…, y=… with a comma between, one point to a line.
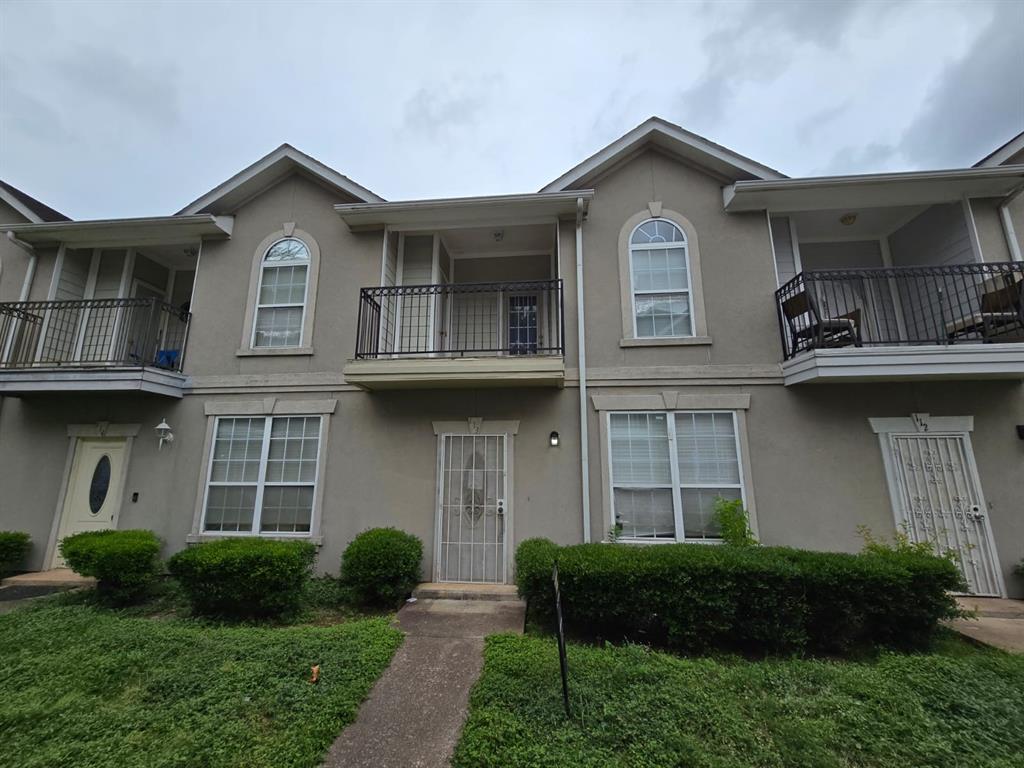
x=472, y=509
x=937, y=498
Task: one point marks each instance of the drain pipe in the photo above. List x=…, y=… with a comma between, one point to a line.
x=1008, y=231
x=581, y=350
x=30, y=273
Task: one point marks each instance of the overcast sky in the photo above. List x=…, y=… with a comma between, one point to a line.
x=133, y=109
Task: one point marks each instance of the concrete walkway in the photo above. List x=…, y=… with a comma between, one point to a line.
x=414, y=714
x=15, y=590
x=998, y=622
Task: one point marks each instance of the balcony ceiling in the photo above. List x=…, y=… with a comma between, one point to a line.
x=876, y=190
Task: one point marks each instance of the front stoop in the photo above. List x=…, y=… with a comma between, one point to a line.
x=465, y=591
x=997, y=622
x=56, y=577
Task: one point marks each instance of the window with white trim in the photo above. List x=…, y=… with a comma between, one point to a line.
x=666, y=470
x=281, y=295
x=660, y=275
x=262, y=475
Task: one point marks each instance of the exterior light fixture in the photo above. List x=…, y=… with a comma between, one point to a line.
x=163, y=433
x=847, y=219
x=554, y=439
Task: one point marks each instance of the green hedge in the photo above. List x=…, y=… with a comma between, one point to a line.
x=245, y=577
x=124, y=563
x=14, y=546
x=381, y=566
x=700, y=598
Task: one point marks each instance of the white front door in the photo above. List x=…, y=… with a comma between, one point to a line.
x=937, y=498
x=472, y=509
x=95, y=487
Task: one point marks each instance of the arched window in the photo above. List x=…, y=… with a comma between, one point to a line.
x=660, y=276
x=281, y=296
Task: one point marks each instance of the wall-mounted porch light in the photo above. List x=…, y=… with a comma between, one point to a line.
x=554, y=439
x=163, y=433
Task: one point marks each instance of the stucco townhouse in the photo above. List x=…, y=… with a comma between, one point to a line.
x=290, y=355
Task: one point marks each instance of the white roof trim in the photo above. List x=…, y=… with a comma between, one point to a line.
x=284, y=153
x=463, y=210
x=872, y=190
x=149, y=230
x=1004, y=153
x=20, y=207
x=671, y=137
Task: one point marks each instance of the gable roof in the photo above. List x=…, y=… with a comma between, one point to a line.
x=269, y=169
x=677, y=141
x=33, y=210
x=1003, y=154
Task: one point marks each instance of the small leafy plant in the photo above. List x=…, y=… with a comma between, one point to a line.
x=124, y=563
x=14, y=546
x=901, y=544
x=734, y=523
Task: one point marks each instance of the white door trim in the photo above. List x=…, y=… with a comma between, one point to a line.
x=940, y=426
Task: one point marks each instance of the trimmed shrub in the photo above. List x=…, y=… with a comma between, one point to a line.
x=14, y=546
x=244, y=577
x=381, y=566
x=698, y=598
x=124, y=563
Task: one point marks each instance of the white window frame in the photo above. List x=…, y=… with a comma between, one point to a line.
x=634, y=291
x=261, y=481
x=677, y=484
x=259, y=289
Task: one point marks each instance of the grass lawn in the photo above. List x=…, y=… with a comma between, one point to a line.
x=85, y=686
x=958, y=706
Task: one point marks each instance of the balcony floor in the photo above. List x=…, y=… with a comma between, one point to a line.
x=38, y=380
x=443, y=372
x=906, y=363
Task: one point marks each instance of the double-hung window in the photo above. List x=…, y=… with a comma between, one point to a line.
x=262, y=475
x=660, y=274
x=281, y=296
x=667, y=468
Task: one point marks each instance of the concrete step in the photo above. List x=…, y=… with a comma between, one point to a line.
x=462, y=591
x=57, y=577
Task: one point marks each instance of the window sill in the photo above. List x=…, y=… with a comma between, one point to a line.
x=680, y=341
x=273, y=351
x=197, y=538
x=656, y=542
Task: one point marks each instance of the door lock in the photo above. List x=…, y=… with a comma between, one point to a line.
x=501, y=506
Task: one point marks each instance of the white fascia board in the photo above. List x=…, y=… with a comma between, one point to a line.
x=673, y=138
x=285, y=154
x=871, y=190
x=152, y=380
x=957, y=361
x=1004, y=153
x=19, y=206
x=142, y=231
x=463, y=210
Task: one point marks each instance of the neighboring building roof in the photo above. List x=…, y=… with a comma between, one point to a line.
x=28, y=206
x=874, y=189
x=1004, y=154
x=285, y=159
x=675, y=140
x=489, y=209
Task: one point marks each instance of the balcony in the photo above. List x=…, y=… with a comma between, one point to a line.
x=92, y=345
x=901, y=323
x=460, y=335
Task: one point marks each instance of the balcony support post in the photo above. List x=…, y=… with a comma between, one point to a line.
x=581, y=353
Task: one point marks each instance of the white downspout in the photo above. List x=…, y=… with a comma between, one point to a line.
x=1008, y=231
x=30, y=273
x=581, y=349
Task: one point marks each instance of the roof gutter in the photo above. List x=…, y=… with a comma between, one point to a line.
x=581, y=355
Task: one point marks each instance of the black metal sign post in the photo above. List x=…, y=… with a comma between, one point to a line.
x=562, y=661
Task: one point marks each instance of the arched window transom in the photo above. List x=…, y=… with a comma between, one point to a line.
x=660, y=274
x=281, y=298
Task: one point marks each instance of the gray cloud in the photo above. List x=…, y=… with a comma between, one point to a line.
x=437, y=111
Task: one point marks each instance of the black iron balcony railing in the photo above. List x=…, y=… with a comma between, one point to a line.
x=461, y=320
x=953, y=304
x=97, y=333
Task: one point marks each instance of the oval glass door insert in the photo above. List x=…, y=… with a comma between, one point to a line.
x=100, y=484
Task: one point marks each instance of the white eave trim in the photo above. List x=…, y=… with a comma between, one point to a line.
x=19, y=206
x=673, y=138
x=462, y=210
x=288, y=154
x=149, y=230
x=956, y=361
x=874, y=190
